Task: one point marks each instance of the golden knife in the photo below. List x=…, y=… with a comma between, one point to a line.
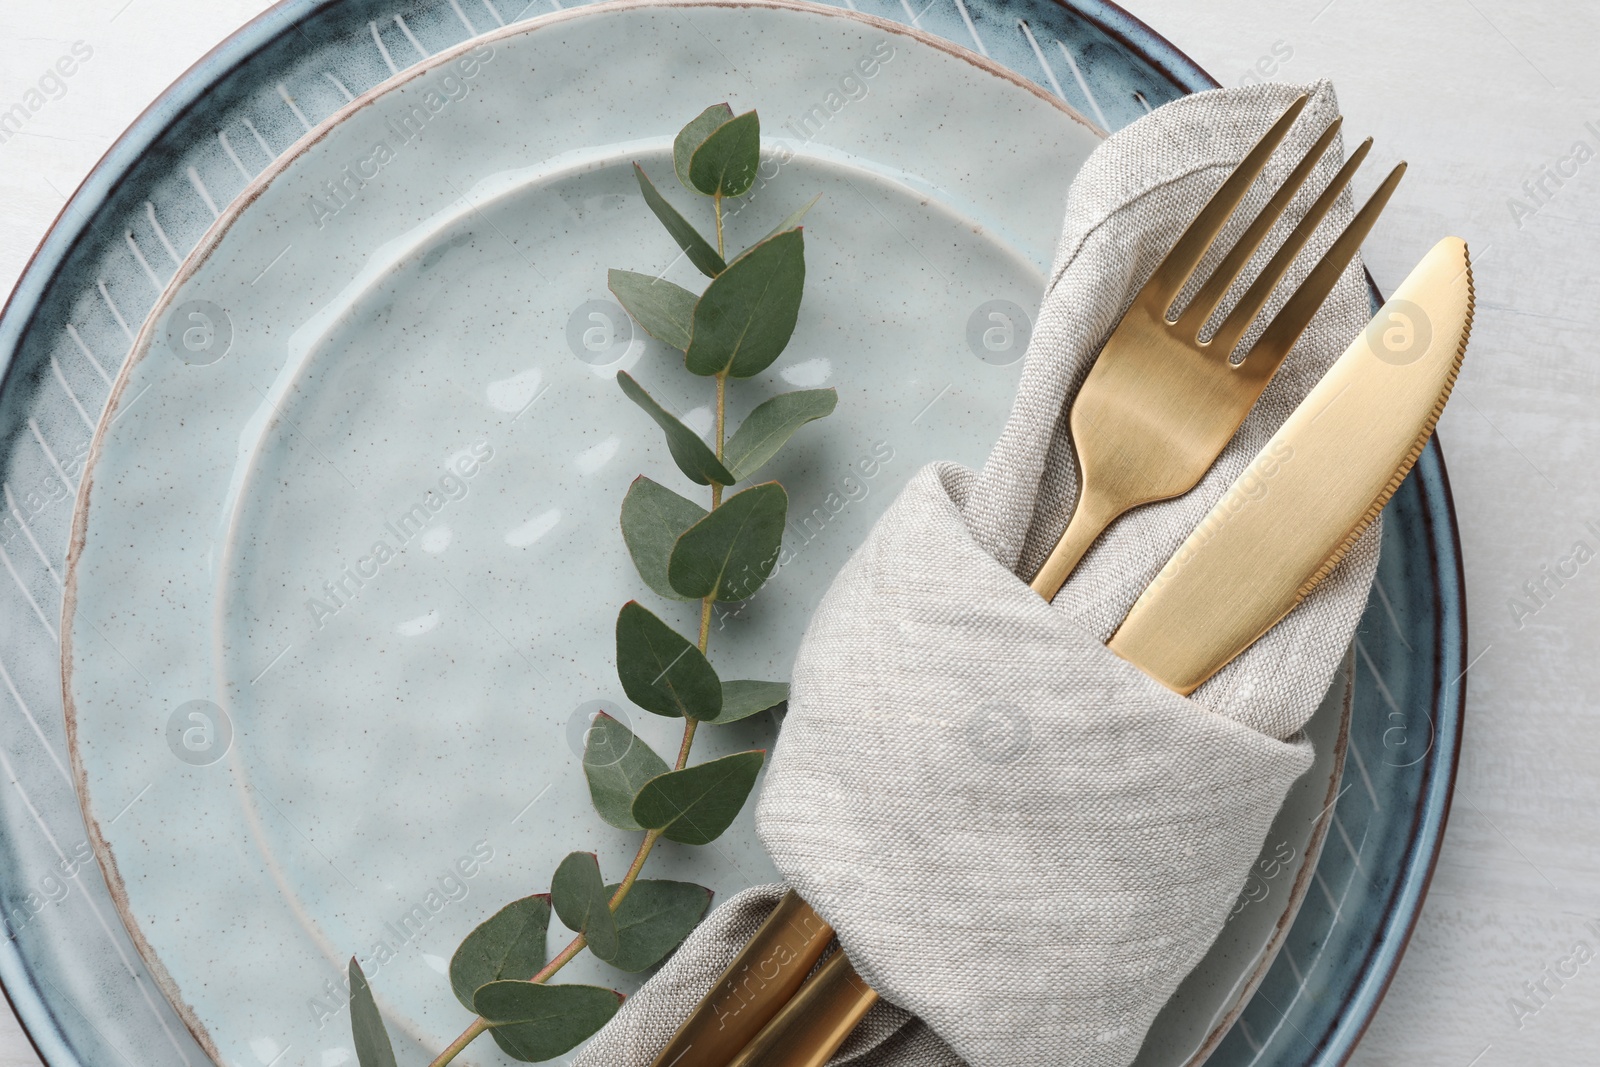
x=1314, y=489
x=1280, y=530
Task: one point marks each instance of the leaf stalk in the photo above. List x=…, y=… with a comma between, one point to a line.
x=717, y=202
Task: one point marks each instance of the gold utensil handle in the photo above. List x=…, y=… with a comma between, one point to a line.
x=815, y=1022
x=1089, y=520
x=764, y=976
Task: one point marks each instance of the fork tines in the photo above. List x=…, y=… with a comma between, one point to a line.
x=1286, y=326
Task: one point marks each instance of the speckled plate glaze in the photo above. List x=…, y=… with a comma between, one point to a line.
x=63, y=974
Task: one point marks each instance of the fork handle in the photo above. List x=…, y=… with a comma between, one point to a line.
x=1089, y=520
x=753, y=989
x=816, y=1021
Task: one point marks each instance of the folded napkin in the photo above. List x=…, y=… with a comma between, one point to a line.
x=1023, y=841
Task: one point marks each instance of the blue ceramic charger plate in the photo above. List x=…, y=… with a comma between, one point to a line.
x=67, y=964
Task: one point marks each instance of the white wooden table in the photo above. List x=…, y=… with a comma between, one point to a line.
x=1481, y=96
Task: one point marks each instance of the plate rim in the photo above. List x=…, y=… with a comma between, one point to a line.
x=1224, y=1023
x=44, y=265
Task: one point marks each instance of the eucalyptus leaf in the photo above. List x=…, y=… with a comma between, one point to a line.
x=794, y=218
x=766, y=429
x=533, y=1023
x=697, y=248
x=747, y=314
x=654, y=918
x=618, y=764
x=726, y=162
x=653, y=518
x=693, y=456
x=693, y=136
x=742, y=699
x=366, y=1024
x=578, y=894
x=729, y=553
x=509, y=944
x=664, y=310
x=661, y=670
x=573, y=888
x=695, y=805
x=601, y=932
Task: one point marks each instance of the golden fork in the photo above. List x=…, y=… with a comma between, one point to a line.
x=1153, y=414
x=1160, y=403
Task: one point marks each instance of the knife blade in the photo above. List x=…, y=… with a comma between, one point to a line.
x=1288, y=520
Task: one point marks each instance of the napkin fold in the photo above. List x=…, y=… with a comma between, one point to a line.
x=1023, y=842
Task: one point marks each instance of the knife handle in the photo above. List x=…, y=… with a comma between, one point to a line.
x=760, y=980
x=815, y=1022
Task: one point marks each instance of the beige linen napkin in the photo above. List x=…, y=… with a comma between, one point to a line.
x=1024, y=842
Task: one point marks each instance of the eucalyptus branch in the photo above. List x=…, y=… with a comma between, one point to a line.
x=735, y=329
x=459, y=1045
x=480, y=1025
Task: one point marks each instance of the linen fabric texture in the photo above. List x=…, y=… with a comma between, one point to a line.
x=1024, y=842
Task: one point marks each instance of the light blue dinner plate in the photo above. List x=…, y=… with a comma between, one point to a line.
x=84, y=990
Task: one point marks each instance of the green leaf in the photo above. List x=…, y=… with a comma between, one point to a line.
x=794, y=219
x=618, y=764
x=697, y=248
x=509, y=944
x=693, y=136
x=771, y=424
x=729, y=553
x=727, y=161
x=573, y=888
x=661, y=670
x=747, y=314
x=664, y=310
x=696, y=804
x=654, y=918
x=366, y=1024
x=533, y=1023
x=578, y=894
x=742, y=699
x=653, y=518
x=694, y=457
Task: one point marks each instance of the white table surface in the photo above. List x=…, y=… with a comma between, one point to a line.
x=1478, y=95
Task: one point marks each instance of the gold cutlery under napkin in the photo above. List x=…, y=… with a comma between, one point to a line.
x=1278, y=532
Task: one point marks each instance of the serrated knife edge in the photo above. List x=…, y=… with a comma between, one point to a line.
x=1429, y=425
